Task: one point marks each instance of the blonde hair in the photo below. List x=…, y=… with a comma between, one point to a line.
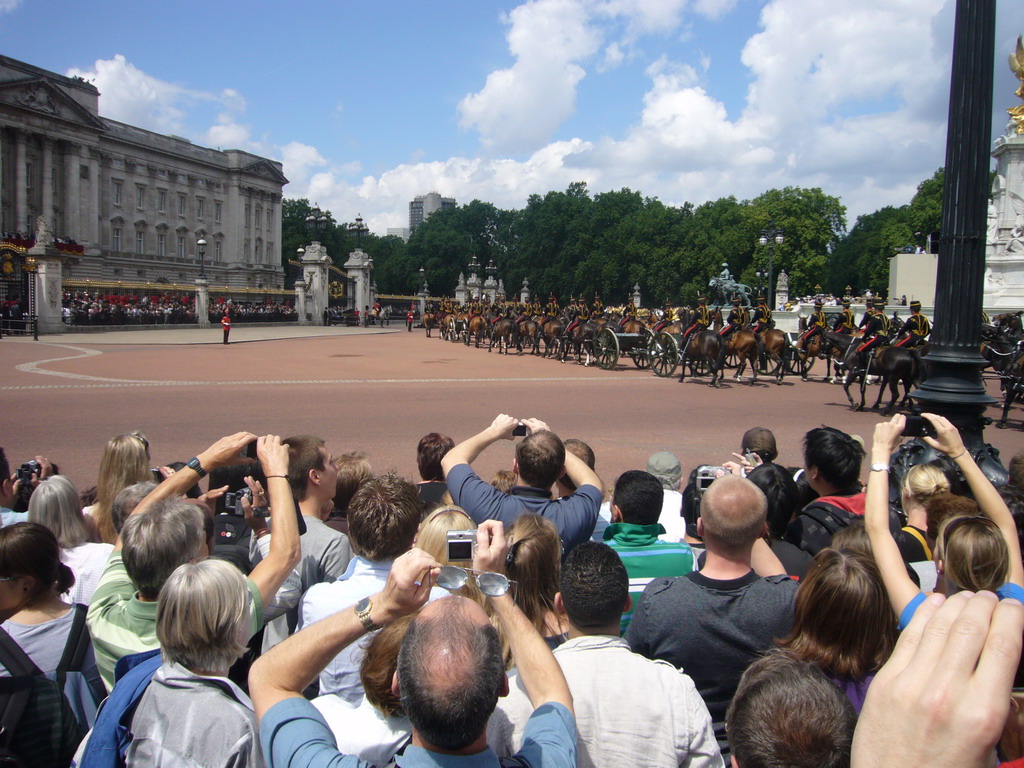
x=202, y=616
x=56, y=504
x=922, y=482
x=125, y=461
x=973, y=552
x=534, y=561
x=432, y=538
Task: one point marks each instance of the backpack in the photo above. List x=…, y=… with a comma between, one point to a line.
x=83, y=696
x=49, y=733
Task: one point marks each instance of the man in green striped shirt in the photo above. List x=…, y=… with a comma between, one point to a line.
x=633, y=534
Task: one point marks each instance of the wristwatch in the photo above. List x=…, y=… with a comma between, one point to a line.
x=879, y=467
x=194, y=465
x=363, y=608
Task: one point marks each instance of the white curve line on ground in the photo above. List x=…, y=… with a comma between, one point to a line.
x=33, y=367
x=115, y=383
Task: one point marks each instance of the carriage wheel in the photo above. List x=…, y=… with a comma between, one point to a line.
x=606, y=349
x=640, y=353
x=663, y=352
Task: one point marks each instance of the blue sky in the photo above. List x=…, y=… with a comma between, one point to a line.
x=369, y=104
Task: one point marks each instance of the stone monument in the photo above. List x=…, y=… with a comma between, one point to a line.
x=1004, y=250
x=48, y=292
x=782, y=290
x=360, y=267
x=315, y=263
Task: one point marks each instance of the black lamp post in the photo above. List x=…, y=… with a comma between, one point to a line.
x=201, y=247
x=760, y=282
x=317, y=221
x=954, y=386
x=770, y=236
x=358, y=229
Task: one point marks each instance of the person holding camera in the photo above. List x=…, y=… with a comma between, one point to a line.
x=16, y=487
x=540, y=460
x=449, y=676
x=742, y=596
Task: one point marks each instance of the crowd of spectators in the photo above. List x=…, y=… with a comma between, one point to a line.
x=81, y=308
x=304, y=610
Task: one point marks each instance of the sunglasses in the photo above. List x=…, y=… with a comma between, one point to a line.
x=451, y=577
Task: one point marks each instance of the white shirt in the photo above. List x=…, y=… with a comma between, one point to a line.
x=87, y=562
x=363, y=730
x=630, y=711
x=670, y=518
x=361, y=579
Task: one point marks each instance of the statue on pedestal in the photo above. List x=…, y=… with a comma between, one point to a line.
x=1017, y=67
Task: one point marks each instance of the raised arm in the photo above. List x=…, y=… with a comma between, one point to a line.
x=898, y=584
x=285, y=670
x=947, y=439
x=575, y=467
x=467, y=451
x=285, y=549
x=537, y=667
x=223, y=453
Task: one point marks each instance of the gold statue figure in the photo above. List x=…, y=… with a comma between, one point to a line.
x=1017, y=67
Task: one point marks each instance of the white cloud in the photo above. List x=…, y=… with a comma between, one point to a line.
x=520, y=107
x=9, y=5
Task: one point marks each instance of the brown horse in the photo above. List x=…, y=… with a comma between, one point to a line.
x=528, y=331
x=894, y=365
x=775, y=347
x=707, y=347
x=429, y=322
x=581, y=340
x=502, y=332
x=552, y=332
x=743, y=344
x=476, y=329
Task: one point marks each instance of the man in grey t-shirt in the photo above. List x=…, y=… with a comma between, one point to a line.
x=712, y=624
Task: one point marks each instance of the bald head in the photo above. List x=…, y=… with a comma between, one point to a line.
x=450, y=672
x=733, y=514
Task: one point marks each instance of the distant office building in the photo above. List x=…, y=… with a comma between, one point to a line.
x=423, y=205
x=402, y=232
x=135, y=202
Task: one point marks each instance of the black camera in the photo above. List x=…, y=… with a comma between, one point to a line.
x=26, y=470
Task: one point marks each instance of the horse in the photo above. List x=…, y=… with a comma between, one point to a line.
x=894, y=365
x=476, y=329
x=552, y=333
x=743, y=345
x=502, y=331
x=775, y=347
x=1013, y=384
x=704, y=346
x=581, y=340
x=429, y=322
x=528, y=330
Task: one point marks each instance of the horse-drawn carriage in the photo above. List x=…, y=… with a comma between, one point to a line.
x=610, y=344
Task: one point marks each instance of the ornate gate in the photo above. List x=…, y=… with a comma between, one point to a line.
x=17, y=293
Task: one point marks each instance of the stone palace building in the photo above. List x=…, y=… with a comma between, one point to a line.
x=127, y=205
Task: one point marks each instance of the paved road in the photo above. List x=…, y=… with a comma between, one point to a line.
x=379, y=391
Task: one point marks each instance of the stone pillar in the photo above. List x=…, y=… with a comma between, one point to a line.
x=92, y=226
x=315, y=263
x=46, y=204
x=202, y=303
x=72, y=193
x=781, y=290
x=460, y=289
x=48, y=280
x=636, y=294
x=358, y=268
x=20, y=183
x=524, y=292
x=424, y=294
x=1004, y=251
x=300, y=301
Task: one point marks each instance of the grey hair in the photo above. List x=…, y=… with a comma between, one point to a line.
x=56, y=504
x=202, y=616
x=127, y=500
x=158, y=540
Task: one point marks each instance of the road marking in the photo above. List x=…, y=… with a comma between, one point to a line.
x=33, y=367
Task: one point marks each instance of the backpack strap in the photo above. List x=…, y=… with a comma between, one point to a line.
x=14, y=659
x=16, y=690
x=78, y=642
x=917, y=535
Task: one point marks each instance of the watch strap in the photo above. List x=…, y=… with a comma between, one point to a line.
x=879, y=467
x=363, y=608
x=194, y=465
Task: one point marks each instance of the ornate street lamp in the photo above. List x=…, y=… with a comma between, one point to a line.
x=317, y=221
x=358, y=229
x=770, y=236
x=423, y=278
x=201, y=246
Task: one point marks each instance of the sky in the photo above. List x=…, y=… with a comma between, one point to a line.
x=368, y=104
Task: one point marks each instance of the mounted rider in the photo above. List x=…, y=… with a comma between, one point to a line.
x=816, y=323
x=581, y=315
x=762, y=316
x=737, y=319
x=552, y=309
x=917, y=328
x=844, y=322
x=700, y=319
x=668, y=316
x=876, y=332
x=628, y=314
x=596, y=307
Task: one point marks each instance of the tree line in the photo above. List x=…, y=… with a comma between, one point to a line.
x=571, y=242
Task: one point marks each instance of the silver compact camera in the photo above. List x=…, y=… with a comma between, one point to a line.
x=460, y=545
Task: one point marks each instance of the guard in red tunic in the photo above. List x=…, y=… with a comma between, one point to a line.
x=409, y=317
x=225, y=323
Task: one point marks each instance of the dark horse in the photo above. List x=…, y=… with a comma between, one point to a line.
x=552, y=333
x=502, y=332
x=704, y=346
x=581, y=340
x=895, y=366
x=528, y=332
x=743, y=344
